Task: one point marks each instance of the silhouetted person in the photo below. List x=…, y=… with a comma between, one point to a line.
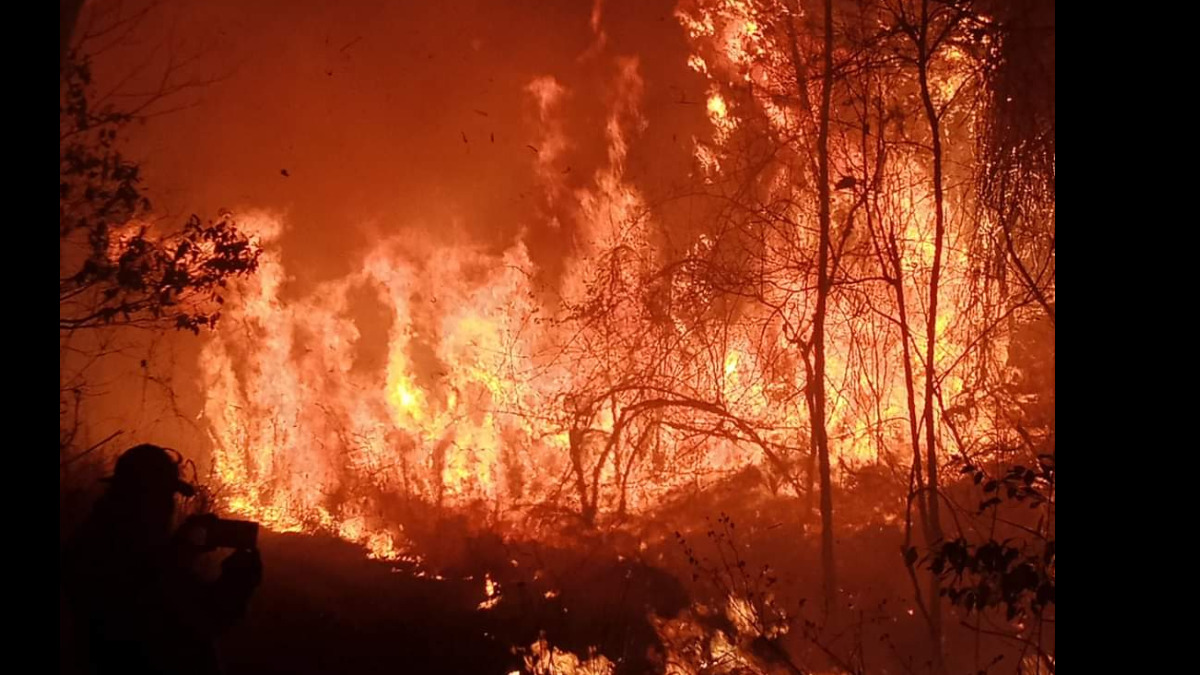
x=138, y=603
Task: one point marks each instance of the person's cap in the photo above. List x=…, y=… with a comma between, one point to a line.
x=147, y=467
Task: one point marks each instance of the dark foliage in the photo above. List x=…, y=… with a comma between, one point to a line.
x=115, y=267
x=1015, y=575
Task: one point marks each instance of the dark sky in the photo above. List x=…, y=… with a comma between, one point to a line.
x=366, y=105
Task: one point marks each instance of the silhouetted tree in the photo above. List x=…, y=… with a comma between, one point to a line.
x=119, y=267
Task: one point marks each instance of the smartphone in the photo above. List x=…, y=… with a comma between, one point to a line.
x=239, y=534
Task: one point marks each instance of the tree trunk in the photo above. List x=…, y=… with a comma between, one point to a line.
x=814, y=394
x=820, y=437
x=931, y=455
x=586, y=511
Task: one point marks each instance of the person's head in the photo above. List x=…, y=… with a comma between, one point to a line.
x=145, y=482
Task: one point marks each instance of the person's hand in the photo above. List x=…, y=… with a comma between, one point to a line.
x=243, y=568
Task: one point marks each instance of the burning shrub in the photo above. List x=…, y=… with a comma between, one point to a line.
x=542, y=658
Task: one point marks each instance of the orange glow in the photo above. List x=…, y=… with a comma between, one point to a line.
x=487, y=387
x=545, y=287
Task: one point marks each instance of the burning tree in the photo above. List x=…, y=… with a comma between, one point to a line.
x=914, y=263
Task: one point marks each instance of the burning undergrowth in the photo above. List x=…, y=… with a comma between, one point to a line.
x=674, y=592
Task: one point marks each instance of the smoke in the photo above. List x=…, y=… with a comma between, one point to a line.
x=454, y=123
x=366, y=118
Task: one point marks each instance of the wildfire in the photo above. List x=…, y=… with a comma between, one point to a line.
x=495, y=396
x=824, y=307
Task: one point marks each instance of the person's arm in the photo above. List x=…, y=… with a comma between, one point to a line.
x=210, y=608
x=241, y=574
